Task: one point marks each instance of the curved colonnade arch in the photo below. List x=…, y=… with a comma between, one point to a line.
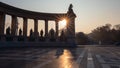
x=25, y=14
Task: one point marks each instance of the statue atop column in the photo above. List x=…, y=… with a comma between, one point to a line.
x=70, y=11
x=70, y=34
x=70, y=8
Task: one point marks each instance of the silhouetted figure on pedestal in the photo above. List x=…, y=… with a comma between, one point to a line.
x=41, y=33
x=20, y=38
x=20, y=32
x=62, y=36
x=31, y=35
x=70, y=7
x=52, y=35
x=31, y=32
x=70, y=10
x=41, y=36
x=8, y=31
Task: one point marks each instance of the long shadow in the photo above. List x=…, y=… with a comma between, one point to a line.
x=59, y=52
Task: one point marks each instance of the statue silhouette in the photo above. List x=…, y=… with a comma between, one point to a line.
x=31, y=32
x=20, y=32
x=62, y=36
x=31, y=38
x=8, y=31
x=41, y=36
x=52, y=35
x=70, y=8
x=8, y=37
x=41, y=33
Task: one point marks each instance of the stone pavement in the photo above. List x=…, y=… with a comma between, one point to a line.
x=80, y=57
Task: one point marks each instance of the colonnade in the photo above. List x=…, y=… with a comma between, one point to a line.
x=14, y=26
x=25, y=14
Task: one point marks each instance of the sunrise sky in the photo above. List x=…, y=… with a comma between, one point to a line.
x=90, y=13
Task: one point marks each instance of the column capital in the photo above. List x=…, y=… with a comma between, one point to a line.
x=25, y=18
x=56, y=21
x=46, y=20
x=35, y=19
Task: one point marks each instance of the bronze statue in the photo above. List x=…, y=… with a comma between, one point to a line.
x=70, y=7
x=8, y=31
x=31, y=32
x=70, y=10
x=41, y=33
x=20, y=32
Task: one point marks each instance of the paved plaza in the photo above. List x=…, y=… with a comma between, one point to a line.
x=80, y=57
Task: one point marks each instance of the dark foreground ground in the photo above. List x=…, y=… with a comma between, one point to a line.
x=80, y=57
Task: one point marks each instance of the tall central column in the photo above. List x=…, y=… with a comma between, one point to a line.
x=24, y=26
x=56, y=26
x=46, y=28
x=36, y=27
x=14, y=25
x=2, y=23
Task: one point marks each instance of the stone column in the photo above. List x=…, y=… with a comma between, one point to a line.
x=2, y=23
x=46, y=28
x=71, y=26
x=14, y=25
x=14, y=28
x=35, y=27
x=56, y=27
x=24, y=26
x=71, y=30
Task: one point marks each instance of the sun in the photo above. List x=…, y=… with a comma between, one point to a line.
x=63, y=23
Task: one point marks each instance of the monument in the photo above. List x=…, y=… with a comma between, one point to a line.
x=15, y=12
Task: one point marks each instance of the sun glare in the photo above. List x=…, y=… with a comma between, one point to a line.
x=63, y=23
